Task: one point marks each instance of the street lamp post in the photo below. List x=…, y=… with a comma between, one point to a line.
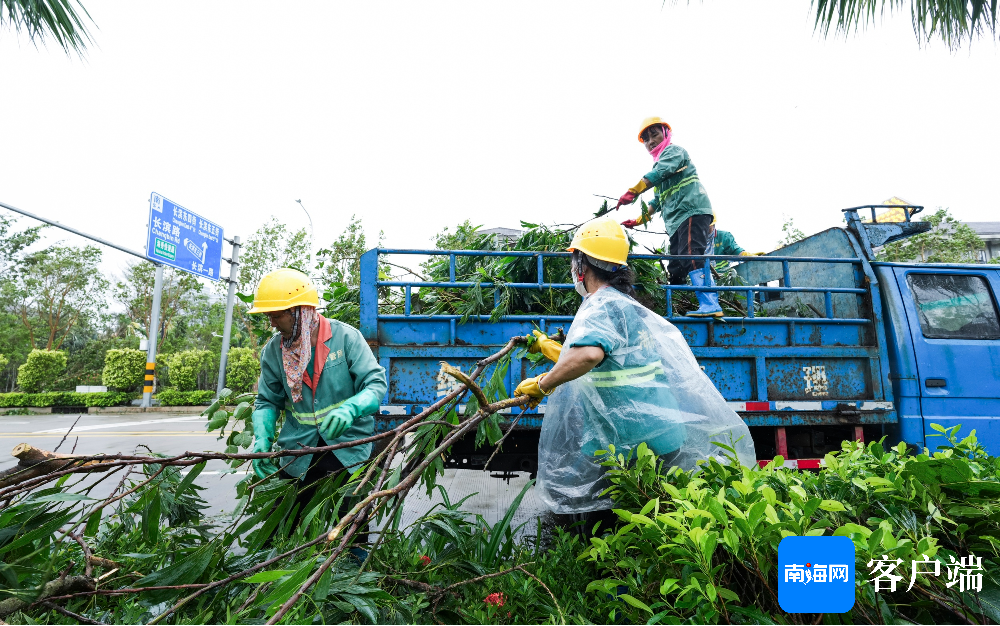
x=312, y=233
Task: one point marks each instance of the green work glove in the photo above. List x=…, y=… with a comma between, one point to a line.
x=340, y=419
x=263, y=438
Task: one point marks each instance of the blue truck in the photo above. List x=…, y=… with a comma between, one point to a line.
x=838, y=347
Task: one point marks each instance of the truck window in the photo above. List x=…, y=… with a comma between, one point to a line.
x=954, y=306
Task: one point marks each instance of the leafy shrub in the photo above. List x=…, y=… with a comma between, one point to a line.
x=13, y=399
x=40, y=370
x=124, y=369
x=172, y=397
x=63, y=398
x=702, y=547
x=242, y=369
x=107, y=398
x=185, y=367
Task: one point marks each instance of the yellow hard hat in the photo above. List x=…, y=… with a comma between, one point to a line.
x=602, y=239
x=282, y=289
x=650, y=121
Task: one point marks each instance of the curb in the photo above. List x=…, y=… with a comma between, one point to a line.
x=102, y=410
x=119, y=410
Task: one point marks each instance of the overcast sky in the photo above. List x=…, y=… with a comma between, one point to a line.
x=418, y=115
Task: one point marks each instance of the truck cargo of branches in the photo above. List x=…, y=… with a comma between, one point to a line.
x=833, y=346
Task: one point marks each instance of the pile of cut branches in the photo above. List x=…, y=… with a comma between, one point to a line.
x=143, y=552
x=491, y=276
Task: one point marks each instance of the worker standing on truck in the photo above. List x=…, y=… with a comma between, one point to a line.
x=725, y=244
x=687, y=213
x=625, y=376
x=323, y=375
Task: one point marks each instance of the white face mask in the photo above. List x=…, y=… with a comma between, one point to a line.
x=578, y=285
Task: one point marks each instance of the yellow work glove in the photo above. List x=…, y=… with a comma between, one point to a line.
x=640, y=187
x=530, y=387
x=549, y=348
x=744, y=253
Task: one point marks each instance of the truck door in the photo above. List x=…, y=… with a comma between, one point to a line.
x=955, y=326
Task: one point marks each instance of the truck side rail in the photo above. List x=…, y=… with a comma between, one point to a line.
x=750, y=291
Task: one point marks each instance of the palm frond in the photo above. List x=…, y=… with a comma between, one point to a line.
x=48, y=18
x=953, y=21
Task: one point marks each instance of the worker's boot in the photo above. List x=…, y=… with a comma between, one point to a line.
x=708, y=301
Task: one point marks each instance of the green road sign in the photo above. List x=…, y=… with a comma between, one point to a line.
x=165, y=249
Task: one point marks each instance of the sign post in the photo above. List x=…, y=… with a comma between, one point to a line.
x=182, y=239
x=234, y=273
x=154, y=334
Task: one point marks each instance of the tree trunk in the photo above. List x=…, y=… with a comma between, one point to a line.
x=34, y=462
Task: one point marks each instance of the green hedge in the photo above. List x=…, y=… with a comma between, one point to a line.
x=172, y=397
x=40, y=370
x=242, y=369
x=124, y=369
x=186, y=366
x=63, y=398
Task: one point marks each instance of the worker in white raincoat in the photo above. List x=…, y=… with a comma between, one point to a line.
x=625, y=376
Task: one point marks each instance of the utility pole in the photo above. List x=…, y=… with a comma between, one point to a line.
x=234, y=263
x=154, y=334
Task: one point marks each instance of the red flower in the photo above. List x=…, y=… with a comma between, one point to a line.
x=425, y=560
x=496, y=599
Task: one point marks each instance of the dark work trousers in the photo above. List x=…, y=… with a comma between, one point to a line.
x=692, y=237
x=324, y=466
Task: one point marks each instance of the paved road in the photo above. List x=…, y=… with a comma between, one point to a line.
x=173, y=434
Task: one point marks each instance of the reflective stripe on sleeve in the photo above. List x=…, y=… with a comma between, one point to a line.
x=625, y=377
x=666, y=193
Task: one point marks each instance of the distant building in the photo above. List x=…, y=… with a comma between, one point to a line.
x=503, y=235
x=989, y=232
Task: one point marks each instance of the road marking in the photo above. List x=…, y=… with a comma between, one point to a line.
x=117, y=424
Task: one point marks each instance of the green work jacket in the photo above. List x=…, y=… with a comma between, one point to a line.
x=679, y=193
x=349, y=367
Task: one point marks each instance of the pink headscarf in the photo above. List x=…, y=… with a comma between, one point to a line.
x=667, y=134
x=297, y=351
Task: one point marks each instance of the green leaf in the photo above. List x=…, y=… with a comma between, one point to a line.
x=185, y=571
x=268, y=576
x=151, y=519
x=93, y=523
x=62, y=497
x=188, y=479
x=639, y=604
x=852, y=529
x=284, y=590
x=727, y=594
x=832, y=505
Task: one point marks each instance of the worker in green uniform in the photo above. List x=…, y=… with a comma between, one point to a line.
x=687, y=212
x=625, y=376
x=323, y=375
x=726, y=244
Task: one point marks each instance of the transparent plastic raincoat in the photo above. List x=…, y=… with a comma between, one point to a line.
x=649, y=388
